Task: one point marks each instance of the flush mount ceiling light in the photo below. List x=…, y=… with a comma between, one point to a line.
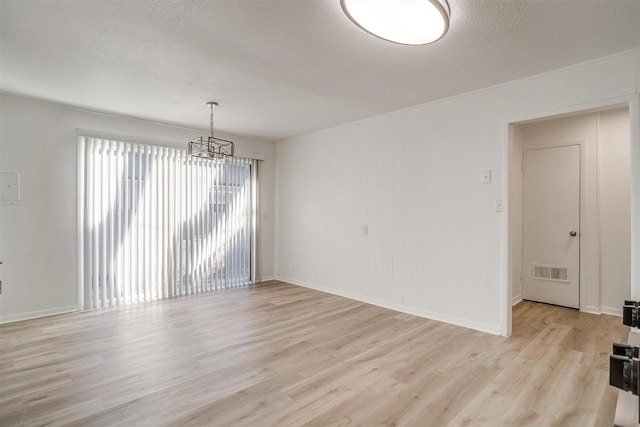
x=211, y=147
x=413, y=22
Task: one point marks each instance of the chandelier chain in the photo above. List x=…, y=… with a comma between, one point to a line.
x=212, y=120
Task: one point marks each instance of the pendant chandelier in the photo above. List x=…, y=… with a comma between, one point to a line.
x=210, y=147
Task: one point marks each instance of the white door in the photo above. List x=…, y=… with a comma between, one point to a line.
x=551, y=234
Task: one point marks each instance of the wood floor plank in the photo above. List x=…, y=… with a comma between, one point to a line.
x=281, y=355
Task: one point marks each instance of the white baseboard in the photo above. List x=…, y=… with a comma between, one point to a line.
x=266, y=278
x=9, y=318
x=601, y=310
x=516, y=300
x=611, y=311
x=482, y=327
x=591, y=310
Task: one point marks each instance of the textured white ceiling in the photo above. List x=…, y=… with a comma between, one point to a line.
x=283, y=68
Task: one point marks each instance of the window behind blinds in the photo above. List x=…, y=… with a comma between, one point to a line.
x=155, y=223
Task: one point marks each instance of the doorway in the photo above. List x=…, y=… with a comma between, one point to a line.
x=602, y=243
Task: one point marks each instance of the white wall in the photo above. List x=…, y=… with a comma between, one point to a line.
x=614, y=183
x=516, y=212
x=435, y=242
x=605, y=245
x=38, y=237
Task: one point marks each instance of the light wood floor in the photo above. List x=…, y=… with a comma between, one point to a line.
x=281, y=355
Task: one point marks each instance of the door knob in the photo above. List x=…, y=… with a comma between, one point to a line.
x=573, y=234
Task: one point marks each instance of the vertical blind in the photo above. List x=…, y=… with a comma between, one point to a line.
x=156, y=223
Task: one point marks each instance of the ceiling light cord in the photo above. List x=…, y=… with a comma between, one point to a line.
x=213, y=105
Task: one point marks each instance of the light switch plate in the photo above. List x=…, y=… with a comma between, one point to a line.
x=10, y=191
x=486, y=177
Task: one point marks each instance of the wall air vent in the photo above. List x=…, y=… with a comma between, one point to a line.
x=558, y=273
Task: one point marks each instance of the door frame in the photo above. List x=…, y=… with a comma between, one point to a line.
x=587, y=217
x=633, y=103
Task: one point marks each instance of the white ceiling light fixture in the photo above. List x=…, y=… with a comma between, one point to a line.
x=412, y=22
x=210, y=147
